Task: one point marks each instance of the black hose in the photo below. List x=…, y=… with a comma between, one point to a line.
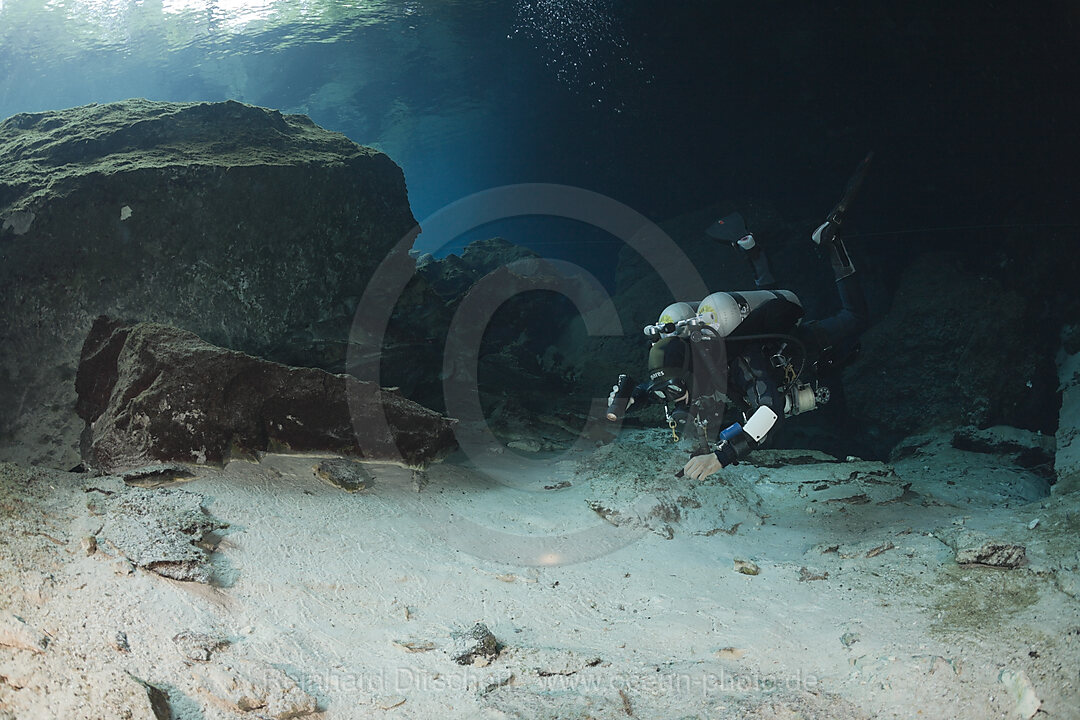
x=769, y=336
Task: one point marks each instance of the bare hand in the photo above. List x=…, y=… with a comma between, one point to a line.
x=702, y=466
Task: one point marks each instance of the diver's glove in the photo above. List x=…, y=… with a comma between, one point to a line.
x=746, y=242
x=736, y=442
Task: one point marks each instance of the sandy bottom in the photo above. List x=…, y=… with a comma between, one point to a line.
x=611, y=587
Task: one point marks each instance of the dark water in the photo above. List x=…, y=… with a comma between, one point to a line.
x=667, y=107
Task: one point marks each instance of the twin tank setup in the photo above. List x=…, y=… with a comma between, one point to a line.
x=741, y=316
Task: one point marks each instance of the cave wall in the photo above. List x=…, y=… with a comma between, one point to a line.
x=241, y=224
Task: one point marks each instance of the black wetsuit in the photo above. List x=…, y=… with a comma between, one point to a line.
x=747, y=373
x=755, y=380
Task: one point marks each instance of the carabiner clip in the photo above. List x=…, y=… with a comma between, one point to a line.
x=673, y=425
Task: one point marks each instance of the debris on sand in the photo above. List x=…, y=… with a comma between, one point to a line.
x=159, y=530
x=198, y=646
x=474, y=647
x=1022, y=692
x=746, y=567
x=808, y=575
x=16, y=633
x=246, y=686
x=993, y=554
x=158, y=474
x=349, y=475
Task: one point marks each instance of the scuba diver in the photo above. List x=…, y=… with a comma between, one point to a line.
x=748, y=351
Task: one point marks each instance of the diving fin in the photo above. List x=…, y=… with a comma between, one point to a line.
x=852, y=189
x=828, y=229
x=730, y=229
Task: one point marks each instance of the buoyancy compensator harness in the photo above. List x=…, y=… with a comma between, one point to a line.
x=734, y=318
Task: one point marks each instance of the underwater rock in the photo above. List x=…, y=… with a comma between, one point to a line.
x=348, y=475
x=849, y=638
x=808, y=575
x=16, y=633
x=198, y=646
x=509, y=302
x=152, y=393
x=1029, y=449
x=1000, y=440
x=255, y=686
x=159, y=530
x=495, y=680
x=450, y=277
x=1067, y=459
x=528, y=445
x=239, y=223
x=994, y=554
x=857, y=482
x=153, y=475
x=476, y=645
x=955, y=349
x=746, y=567
x=973, y=547
x=120, y=642
x=157, y=698
x=447, y=277
x=1022, y=692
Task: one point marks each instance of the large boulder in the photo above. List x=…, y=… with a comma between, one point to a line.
x=956, y=348
x=238, y=223
x=507, y=306
x=150, y=392
x=1067, y=461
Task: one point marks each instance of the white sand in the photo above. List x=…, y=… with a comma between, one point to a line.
x=335, y=589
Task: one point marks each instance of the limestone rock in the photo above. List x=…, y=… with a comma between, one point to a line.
x=152, y=475
x=1067, y=460
x=861, y=549
x=239, y=223
x=198, y=646
x=494, y=283
x=1022, y=692
x=820, y=479
x=994, y=554
x=495, y=680
x=158, y=530
x=255, y=686
x=57, y=688
x=746, y=567
x=955, y=348
x=973, y=547
x=348, y=475
x=1028, y=449
x=473, y=645
x=157, y=699
x=152, y=393
x=808, y=575
x=16, y=633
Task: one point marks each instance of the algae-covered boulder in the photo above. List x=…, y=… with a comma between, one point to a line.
x=152, y=393
x=239, y=223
